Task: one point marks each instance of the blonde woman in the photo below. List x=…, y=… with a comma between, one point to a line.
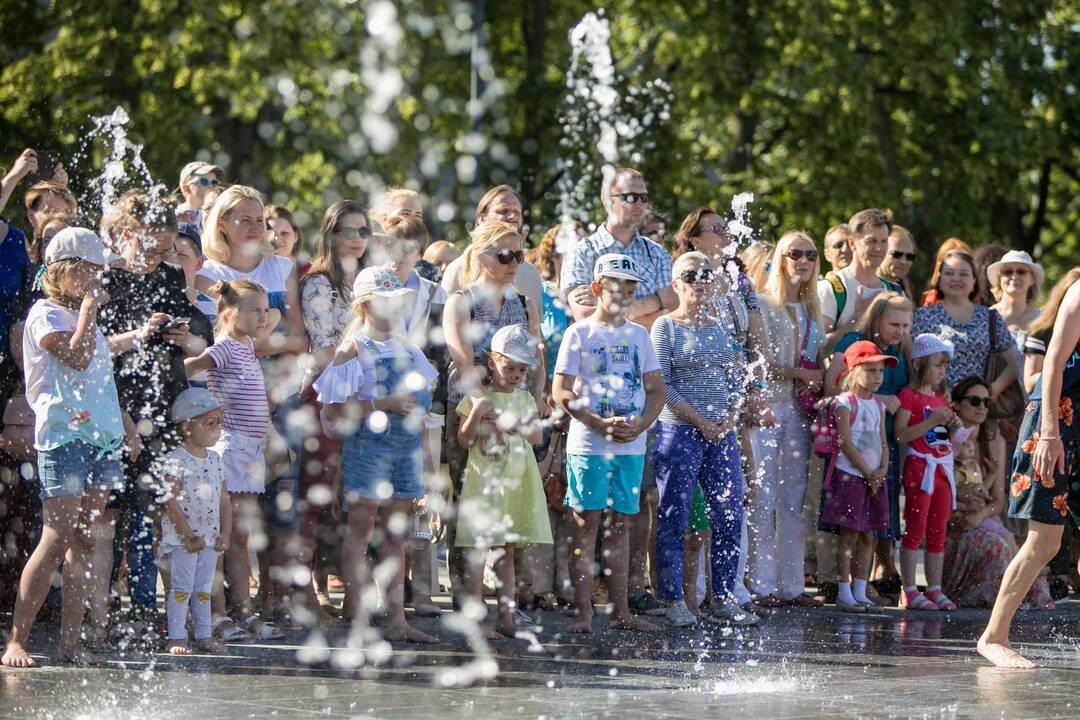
x=487, y=301
x=792, y=319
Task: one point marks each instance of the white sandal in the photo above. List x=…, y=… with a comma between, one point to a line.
x=232, y=633
x=260, y=630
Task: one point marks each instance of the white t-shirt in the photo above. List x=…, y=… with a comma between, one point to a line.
x=865, y=432
x=608, y=365
x=827, y=298
x=199, y=495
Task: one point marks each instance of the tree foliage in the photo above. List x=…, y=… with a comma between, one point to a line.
x=961, y=117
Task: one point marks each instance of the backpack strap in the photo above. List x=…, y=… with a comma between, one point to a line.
x=839, y=292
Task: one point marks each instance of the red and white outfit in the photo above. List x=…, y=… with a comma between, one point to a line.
x=929, y=487
x=236, y=381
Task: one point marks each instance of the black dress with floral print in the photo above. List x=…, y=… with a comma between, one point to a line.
x=1049, y=500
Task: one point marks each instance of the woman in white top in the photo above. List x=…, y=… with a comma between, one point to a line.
x=792, y=319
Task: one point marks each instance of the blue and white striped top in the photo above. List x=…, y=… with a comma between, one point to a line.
x=699, y=365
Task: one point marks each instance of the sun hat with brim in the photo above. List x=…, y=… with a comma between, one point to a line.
x=76, y=243
x=1015, y=257
x=192, y=403
x=864, y=352
x=197, y=169
x=515, y=342
x=614, y=265
x=927, y=344
x=378, y=282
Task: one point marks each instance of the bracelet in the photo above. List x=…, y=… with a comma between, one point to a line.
x=1049, y=437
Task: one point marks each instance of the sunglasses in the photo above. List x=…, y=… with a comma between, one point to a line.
x=631, y=198
x=976, y=400
x=839, y=245
x=204, y=181
x=898, y=255
x=691, y=276
x=1019, y=272
x=351, y=233
x=797, y=255
x=720, y=229
x=505, y=257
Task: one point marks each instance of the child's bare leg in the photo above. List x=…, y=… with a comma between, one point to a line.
x=908, y=561
x=393, y=527
x=617, y=545
x=504, y=571
x=845, y=548
x=101, y=533
x=354, y=554
x=77, y=571
x=935, y=566
x=864, y=556
x=475, y=559
x=582, y=546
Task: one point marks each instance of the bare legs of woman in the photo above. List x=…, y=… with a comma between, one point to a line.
x=64, y=539
x=1042, y=544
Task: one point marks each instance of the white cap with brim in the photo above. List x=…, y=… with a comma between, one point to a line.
x=380, y=282
x=79, y=244
x=197, y=168
x=515, y=342
x=614, y=265
x=927, y=344
x=1015, y=257
x=192, y=403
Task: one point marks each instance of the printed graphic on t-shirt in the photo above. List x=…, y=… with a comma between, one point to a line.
x=618, y=390
x=937, y=435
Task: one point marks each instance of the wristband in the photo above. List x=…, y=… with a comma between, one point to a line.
x=1049, y=437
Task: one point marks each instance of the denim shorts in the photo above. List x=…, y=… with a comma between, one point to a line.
x=75, y=468
x=598, y=482
x=388, y=470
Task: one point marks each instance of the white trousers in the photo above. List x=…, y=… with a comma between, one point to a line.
x=777, y=528
x=191, y=578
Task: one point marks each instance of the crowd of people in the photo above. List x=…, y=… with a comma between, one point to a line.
x=685, y=430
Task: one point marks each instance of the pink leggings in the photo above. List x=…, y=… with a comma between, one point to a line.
x=925, y=515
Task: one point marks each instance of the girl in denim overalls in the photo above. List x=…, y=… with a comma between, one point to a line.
x=377, y=394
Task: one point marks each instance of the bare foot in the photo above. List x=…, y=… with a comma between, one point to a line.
x=406, y=632
x=581, y=626
x=15, y=656
x=210, y=646
x=631, y=622
x=178, y=647
x=505, y=630
x=1003, y=656
x=78, y=656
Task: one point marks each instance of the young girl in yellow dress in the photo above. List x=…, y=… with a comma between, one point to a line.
x=502, y=502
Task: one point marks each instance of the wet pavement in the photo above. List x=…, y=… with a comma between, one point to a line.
x=798, y=664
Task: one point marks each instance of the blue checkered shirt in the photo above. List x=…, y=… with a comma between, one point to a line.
x=652, y=260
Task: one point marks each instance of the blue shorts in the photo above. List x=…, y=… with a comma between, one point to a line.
x=598, y=482
x=75, y=468
x=373, y=470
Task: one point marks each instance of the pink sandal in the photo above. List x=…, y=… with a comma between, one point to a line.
x=917, y=601
x=940, y=599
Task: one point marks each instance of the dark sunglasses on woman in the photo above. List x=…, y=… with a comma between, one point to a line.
x=692, y=276
x=900, y=255
x=351, y=233
x=505, y=257
x=798, y=255
x=976, y=400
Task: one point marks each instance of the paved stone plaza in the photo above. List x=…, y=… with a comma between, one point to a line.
x=798, y=664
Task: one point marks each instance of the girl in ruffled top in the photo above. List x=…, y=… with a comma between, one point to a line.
x=377, y=393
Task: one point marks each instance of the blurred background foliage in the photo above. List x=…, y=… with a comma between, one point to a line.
x=961, y=117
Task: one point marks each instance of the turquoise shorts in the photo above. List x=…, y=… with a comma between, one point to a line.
x=598, y=482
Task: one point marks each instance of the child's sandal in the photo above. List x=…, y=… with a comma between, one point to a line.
x=941, y=600
x=918, y=601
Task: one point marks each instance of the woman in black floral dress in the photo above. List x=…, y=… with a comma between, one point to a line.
x=1045, y=476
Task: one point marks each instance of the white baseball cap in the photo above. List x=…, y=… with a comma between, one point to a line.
x=515, y=342
x=614, y=265
x=197, y=168
x=381, y=281
x=927, y=344
x=79, y=244
x=192, y=403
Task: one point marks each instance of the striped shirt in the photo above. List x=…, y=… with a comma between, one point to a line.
x=652, y=259
x=699, y=366
x=236, y=381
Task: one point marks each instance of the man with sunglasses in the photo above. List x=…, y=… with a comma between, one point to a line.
x=845, y=294
x=196, y=179
x=626, y=198
x=899, y=258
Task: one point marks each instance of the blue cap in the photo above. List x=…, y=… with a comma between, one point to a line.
x=191, y=230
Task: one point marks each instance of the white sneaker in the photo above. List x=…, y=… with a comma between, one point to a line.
x=679, y=615
x=731, y=614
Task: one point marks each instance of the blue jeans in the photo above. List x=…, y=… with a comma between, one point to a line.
x=685, y=459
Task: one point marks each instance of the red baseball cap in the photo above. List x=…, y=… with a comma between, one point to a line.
x=864, y=352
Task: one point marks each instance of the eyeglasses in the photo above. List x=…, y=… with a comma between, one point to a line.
x=505, y=257
x=720, y=229
x=898, y=255
x=351, y=233
x=797, y=255
x=204, y=181
x=1019, y=272
x=691, y=276
x=160, y=254
x=976, y=400
x=630, y=198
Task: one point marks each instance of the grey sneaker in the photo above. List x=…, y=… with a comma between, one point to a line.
x=643, y=603
x=679, y=615
x=731, y=614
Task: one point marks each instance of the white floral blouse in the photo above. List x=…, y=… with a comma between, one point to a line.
x=326, y=312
